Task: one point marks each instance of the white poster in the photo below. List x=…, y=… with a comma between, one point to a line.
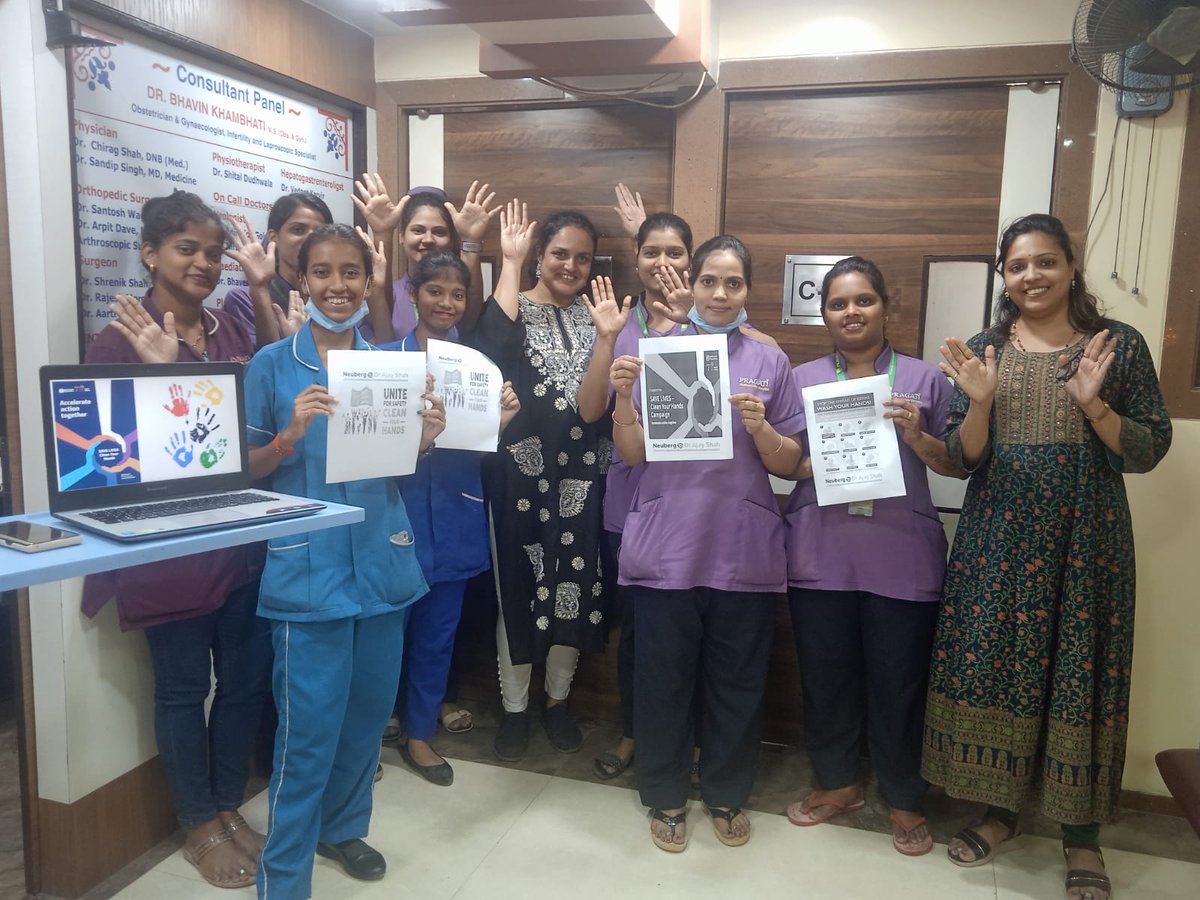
x=685, y=397
x=375, y=429
x=469, y=384
x=854, y=449
x=148, y=121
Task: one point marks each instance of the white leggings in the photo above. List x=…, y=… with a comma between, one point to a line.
x=514, y=680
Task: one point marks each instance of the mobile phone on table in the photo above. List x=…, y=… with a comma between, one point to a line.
x=30, y=537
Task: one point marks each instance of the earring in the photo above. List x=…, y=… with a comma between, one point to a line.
x=1072, y=283
x=1006, y=297
x=153, y=268
x=537, y=273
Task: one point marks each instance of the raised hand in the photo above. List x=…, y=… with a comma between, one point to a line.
x=629, y=210
x=752, y=409
x=180, y=450
x=516, y=232
x=293, y=320
x=1098, y=355
x=378, y=258
x=677, y=299
x=153, y=344
x=373, y=202
x=178, y=405
x=608, y=315
x=471, y=222
x=257, y=264
x=977, y=377
x=510, y=404
x=624, y=374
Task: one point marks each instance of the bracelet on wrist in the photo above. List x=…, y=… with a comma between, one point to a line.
x=1095, y=419
x=625, y=424
x=777, y=449
x=280, y=450
x=472, y=247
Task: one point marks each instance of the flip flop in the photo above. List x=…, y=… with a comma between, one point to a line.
x=910, y=848
x=458, y=721
x=801, y=813
x=728, y=839
x=609, y=765
x=672, y=822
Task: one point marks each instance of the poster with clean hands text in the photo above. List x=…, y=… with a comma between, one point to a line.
x=854, y=449
x=469, y=384
x=375, y=429
x=685, y=397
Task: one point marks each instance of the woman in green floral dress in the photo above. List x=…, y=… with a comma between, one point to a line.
x=1029, y=690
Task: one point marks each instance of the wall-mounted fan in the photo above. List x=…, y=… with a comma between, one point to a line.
x=1145, y=50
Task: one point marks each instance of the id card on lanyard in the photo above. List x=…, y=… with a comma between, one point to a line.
x=864, y=507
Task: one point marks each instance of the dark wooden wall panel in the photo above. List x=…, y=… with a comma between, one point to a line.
x=890, y=175
x=565, y=159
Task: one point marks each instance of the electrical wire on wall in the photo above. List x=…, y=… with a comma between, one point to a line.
x=627, y=95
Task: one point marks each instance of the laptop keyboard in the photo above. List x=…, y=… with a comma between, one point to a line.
x=141, y=511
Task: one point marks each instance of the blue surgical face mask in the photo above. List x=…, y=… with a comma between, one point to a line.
x=739, y=320
x=336, y=327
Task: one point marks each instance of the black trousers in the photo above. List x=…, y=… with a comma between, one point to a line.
x=864, y=664
x=719, y=641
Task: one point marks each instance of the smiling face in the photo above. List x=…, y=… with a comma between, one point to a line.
x=336, y=279
x=1037, y=276
x=441, y=302
x=854, y=313
x=720, y=289
x=299, y=225
x=662, y=246
x=426, y=230
x=187, y=264
x=566, y=262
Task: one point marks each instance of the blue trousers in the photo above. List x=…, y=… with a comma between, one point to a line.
x=207, y=763
x=429, y=637
x=718, y=642
x=864, y=667
x=333, y=685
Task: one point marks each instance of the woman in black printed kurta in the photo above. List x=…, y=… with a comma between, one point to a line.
x=545, y=486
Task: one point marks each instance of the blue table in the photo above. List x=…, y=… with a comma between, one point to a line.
x=98, y=554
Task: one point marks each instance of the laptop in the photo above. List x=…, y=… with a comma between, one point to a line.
x=135, y=452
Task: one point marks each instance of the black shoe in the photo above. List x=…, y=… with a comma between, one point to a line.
x=513, y=737
x=561, y=728
x=357, y=859
x=439, y=773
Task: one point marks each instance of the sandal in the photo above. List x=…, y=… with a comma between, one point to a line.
x=458, y=721
x=729, y=839
x=671, y=822
x=196, y=853
x=235, y=824
x=609, y=765
x=801, y=813
x=1085, y=878
x=907, y=847
x=983, y=852
x=392, y=731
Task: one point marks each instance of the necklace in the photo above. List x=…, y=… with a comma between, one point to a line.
x=1016, y=338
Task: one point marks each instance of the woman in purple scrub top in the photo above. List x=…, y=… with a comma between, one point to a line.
x=705, y=598
x=864, y=578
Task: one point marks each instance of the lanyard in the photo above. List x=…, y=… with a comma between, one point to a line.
x=644, y=326
x=841, y=373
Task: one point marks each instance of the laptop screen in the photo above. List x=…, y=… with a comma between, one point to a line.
x=119, y=434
